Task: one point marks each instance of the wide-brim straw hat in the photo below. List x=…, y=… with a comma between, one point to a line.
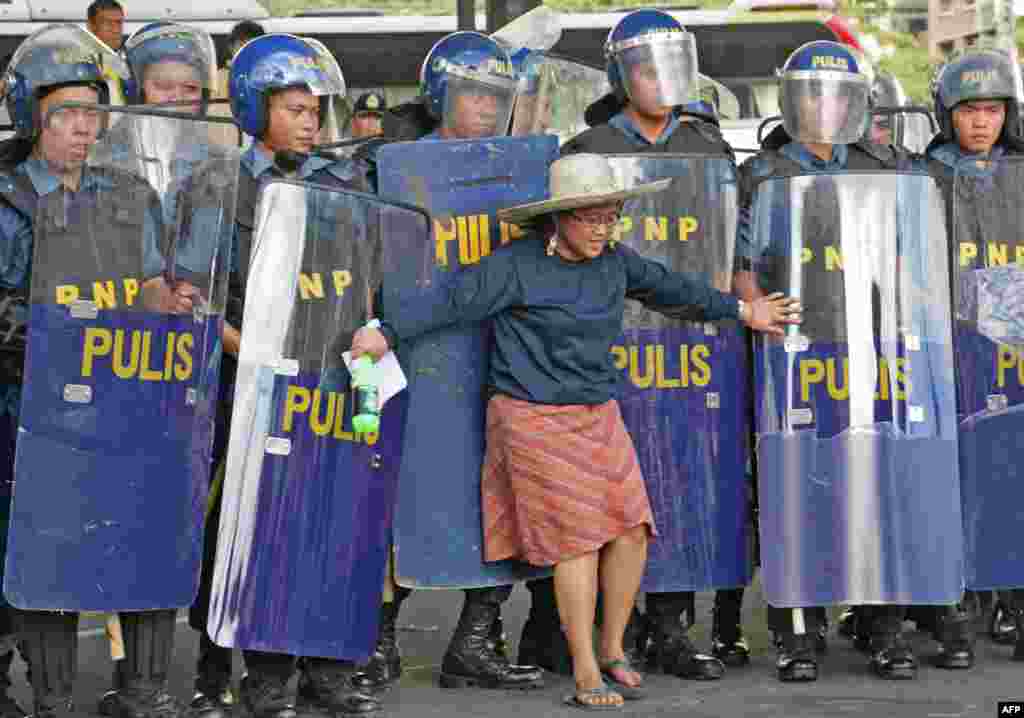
x=580, y=180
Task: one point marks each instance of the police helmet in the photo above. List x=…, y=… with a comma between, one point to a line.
x=469, y=63
x=656, y=40
x=277, y=62
x=164, y=41
x=824, y=94
x=52, y=57
x=988, y=74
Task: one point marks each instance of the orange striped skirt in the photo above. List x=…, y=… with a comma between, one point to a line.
x=558, y=481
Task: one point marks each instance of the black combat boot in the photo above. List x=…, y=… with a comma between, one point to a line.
x=213, y=697
x=385, y=665
x=49, y=645
x=142, y=681
x=1018, y=617
x=1002, y=627
x=325, y=685
x=727, y=642
x=543, y=642
x=796, y=658
x=264, y=695
x=892, y=658
x=669, y=649
x=956, y=640
x=9, y=707
x=471, y=659
x=846, y=626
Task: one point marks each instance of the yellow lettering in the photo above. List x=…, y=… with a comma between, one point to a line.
x=97, y=343
x=169, y=356
x=656, y=228
x=131, y=290
x=1006, y=360
x=883, y=379
x=342, y=281
x=837, y=392
x=687, y=226
x=812, y=371
x=644, y=381
x=998, y=254
x=659, y=370
x=183, y=370
x=322, y=427
x=444, y=232
x=469, y=240
x=968, y=251
x=122, y=369
x=806, y=255
x=485, y=235
x=104, y=294
x=621, y=356
x=1020, y=255
x=311, y=285
x=146, y=373
x=66, y=293
x=833, y=259
x=296, y=402
x=701, y=373
x=902, y=373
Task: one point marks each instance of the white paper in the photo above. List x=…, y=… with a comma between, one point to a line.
x=392, y=378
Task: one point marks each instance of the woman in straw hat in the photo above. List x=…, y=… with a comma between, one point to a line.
x=561, y=484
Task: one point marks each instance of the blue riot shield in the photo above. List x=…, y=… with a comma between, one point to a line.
x=307, y=501
x=988, y=213
x=120, y=382
x=438, y=533
x=685, y=391
x=855, y=409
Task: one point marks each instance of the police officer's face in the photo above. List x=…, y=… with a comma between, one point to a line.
x=881, y=131
x=584, y=233
x=67, y=134
x=173, y=82
x=108, y=26
x=293, y=121
x=825, y=113
x=978, y=124
x=366, y=124
x=475, y=115
x=645, y=91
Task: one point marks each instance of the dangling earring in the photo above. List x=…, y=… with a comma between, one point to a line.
x=552, y=244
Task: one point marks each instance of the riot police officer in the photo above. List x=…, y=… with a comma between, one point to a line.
x=279, y=87
x=655, y=107
x=56, y=65
x=824, y=100
x=976, y=105
x=468, y=88
x=170, y=63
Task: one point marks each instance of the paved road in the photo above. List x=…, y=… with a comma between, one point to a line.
x=845, y=688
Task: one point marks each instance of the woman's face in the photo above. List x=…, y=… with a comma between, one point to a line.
x=584, y=233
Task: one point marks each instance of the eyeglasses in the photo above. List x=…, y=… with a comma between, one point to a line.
x=597, y=220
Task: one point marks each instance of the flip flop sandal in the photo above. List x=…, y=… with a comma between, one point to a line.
x=603, y=690
x=628, y=692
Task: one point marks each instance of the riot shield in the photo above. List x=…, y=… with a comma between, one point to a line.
x=988, y=257
x=685, y=385
x=438, y=534
x=554, y=93
x=855, y=409
x=121, y=376
x=307, y=500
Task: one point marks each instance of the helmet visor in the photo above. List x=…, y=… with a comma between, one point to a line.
x=477, y=104
x=285, y=68
x=825, y=107
x=73, y=45
x=659, y=70
x=175, y=43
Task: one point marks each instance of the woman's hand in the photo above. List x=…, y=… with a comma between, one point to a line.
x=767, y=314
x=369, y=341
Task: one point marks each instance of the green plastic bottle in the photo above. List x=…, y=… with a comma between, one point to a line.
x=365, y=381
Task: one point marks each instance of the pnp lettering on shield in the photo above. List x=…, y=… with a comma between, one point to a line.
x=1010, y=708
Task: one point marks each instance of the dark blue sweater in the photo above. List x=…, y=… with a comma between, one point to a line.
x=554, y=321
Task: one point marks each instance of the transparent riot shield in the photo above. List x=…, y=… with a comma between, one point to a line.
x=554, y=93
x=307, y=500
x=128, y=287
x=438, y=532
x=855, y=409
x=988, y=258
x=685, y=390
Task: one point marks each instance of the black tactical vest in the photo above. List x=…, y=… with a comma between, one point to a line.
x=691, y=137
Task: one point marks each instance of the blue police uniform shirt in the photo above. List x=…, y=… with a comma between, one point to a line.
x=627, y=127
x=809, y=162
x=954, y=157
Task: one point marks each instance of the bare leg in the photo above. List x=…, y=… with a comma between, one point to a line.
x=622, y=566
x=576, y=594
